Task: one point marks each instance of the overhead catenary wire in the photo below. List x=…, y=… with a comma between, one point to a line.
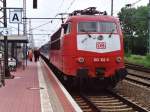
x=71, y=4
x=38, y=34
x=135, y=2
x=130, y=4
x=32, y=28
x=40, y=26
x=58, y=10
x=35, y=28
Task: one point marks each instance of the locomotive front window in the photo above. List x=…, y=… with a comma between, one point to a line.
x=102, y=27
x=107, y=27
x=87, y=27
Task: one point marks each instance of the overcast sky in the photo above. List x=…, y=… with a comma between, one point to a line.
x=50, y=8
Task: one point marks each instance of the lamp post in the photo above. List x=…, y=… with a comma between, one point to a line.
x=112, y=2
x=6, y=69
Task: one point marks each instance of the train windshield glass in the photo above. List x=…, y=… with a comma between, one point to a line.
x=87, y=27
x=102, y=27
x=107, y=27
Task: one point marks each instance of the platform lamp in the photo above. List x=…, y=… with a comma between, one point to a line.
x=6, y=69
x=112, y=4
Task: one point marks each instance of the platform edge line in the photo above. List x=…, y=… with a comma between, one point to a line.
x=44, y=97
x=70, y=99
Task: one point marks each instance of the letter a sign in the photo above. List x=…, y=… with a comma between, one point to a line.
x=15, y=16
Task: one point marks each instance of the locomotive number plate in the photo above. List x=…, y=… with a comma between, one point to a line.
x=100, y=45
x=101, y=59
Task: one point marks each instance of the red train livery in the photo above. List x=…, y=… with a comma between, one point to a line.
x=89, y=45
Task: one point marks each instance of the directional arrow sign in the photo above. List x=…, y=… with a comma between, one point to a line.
x=15, y=16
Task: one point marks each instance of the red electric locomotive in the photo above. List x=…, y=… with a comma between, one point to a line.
x=89, y=46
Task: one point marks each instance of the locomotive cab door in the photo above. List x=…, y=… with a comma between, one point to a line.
x=68, y=47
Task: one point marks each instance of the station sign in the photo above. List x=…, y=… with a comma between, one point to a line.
x=4, y=31
x=15, y=16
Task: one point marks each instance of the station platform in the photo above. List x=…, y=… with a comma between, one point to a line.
x=35, y=89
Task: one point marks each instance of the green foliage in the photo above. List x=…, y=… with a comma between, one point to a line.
x=148, y=57
x=138, y=59
x=127, y=54
x=134, y=22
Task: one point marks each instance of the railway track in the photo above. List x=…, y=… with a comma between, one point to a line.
x=138, y=80
x=107, y=102
x=138, y=74
x=137, y=67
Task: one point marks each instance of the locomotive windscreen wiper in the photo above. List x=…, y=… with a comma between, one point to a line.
x=83, y=30
x=112, y=31
x=89, y=36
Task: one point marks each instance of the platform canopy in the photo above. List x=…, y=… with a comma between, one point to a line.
x=15, y=38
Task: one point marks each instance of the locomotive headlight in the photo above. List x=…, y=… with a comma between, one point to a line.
x=118, y=59
x=81, y=60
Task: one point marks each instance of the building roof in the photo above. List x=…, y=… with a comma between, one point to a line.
x=15, y=38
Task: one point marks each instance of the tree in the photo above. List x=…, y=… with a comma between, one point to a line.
x=134, y=24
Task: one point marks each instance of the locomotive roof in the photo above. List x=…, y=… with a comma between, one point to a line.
x=93, y=17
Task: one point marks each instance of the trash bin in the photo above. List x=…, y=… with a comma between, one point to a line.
x=12, y=64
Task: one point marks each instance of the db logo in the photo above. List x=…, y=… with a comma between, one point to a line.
x=100, y=45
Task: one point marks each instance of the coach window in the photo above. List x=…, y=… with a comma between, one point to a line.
x=67, y=28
